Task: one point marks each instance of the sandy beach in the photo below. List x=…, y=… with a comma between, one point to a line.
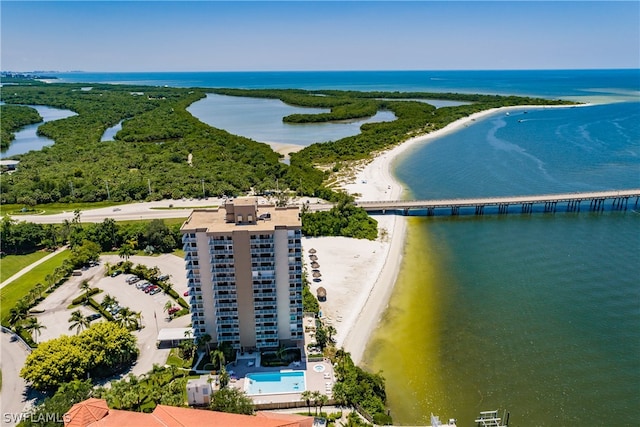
x=359, y=275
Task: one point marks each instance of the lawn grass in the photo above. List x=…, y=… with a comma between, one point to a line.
x=184, y=207
x=14, y=291
x=11, y=264
x=175, y=359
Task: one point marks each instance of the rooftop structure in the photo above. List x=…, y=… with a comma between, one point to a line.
x=244, y=271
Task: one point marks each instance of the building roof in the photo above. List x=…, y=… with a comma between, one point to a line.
x=215, y=220
x=86, y=412
x=174, y=334
x=95, y=413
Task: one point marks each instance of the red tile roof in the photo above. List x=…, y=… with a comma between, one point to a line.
x=95, y=413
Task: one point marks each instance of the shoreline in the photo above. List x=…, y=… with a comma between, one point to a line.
x=355, y=305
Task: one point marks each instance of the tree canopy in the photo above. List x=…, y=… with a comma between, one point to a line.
x=98, y=351
x=163, y=152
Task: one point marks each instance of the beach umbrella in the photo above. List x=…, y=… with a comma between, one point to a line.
x=313, y=257
x=315, y=265
x=317, y=274
x=312, y=251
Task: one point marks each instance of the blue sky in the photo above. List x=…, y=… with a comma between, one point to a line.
x=306, y=35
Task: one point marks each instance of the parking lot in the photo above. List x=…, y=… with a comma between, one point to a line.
x=153, y=317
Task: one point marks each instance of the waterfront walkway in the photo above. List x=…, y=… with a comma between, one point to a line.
x=597, y=201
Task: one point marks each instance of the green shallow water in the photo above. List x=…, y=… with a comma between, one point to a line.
x=539, y=315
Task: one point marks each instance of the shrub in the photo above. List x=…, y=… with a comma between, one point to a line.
x=80, y=299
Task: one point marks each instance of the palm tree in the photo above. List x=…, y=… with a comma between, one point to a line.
x=128, y=318
x=331, y=331
x=18, y=312
x=206, y=339
x=108, y=301
x=78, y=321
x=86, y=287
x=126, y=250
x=217, y=358
x=306, y=396
x=316, y=397
x=322, y=400
x=38, y=289
x=34, y=327
x=224, y=377
x=167, y=307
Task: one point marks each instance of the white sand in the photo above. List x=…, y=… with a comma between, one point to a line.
x=359, y=275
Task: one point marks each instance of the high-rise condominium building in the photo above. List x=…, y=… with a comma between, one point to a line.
x=244, y=271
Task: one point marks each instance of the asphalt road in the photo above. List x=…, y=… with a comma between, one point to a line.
x=14, y=399
x=148, y=210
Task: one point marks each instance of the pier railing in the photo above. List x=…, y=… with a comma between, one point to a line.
x=572, y=202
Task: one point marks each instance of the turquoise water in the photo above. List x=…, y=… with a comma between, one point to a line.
x=275, y=382
x=624, y=84
x=540, y=314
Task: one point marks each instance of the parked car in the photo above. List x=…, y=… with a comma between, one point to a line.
x=154, y=291
x=186, y=294
x=147, y=287
x=94, y=316
x=133, y=279
x=173, y=310
x=150, y=288
x=116, y=273
x=164, y=277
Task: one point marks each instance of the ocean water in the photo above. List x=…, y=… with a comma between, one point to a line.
x=538, y=315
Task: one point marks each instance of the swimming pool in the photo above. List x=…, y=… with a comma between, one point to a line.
x=275, y=382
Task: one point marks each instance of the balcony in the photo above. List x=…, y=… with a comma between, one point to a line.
x=188, y=239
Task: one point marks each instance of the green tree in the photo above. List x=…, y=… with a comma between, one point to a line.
x=315, y=396
x=125, y=251
x=167, y=306
x=54, y=407
x=99, y=351
x=85, y=286
x=331, y=331
x=232, y=400
x=306, y=396
x=78, y=321
x=128, y=318
x=322, y=400
x=109, y=301
x=223, y=377
x=34, y=327
x=217, y=359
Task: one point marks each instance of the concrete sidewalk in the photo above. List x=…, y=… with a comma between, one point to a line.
x=31, y=266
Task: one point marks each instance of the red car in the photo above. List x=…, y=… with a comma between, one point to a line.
x=173, y=310
x=186, y=294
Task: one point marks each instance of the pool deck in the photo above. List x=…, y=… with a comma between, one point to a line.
x=315, y=381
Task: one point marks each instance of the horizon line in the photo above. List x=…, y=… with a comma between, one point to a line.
x=324, y=71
